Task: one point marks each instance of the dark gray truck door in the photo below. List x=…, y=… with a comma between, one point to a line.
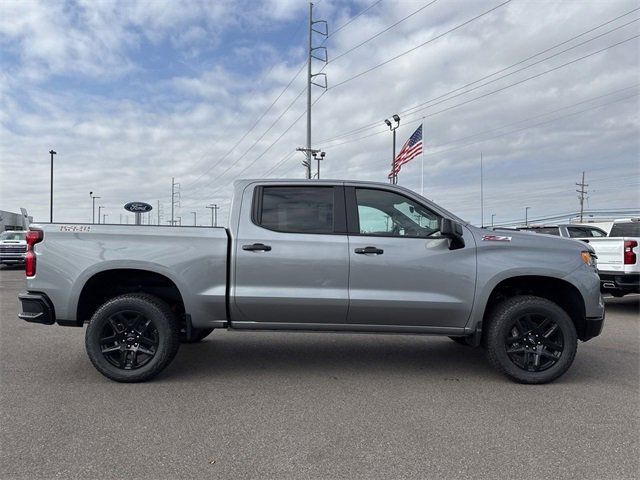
x=398, y=274
x=292, y=259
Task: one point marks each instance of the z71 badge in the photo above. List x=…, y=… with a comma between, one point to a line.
x=496, y=238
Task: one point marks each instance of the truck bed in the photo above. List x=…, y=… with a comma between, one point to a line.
x=194, y=258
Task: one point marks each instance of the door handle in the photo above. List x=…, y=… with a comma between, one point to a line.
x=371, y=250
x=257, y=247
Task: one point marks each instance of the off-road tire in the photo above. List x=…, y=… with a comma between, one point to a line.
x=164, y=321
x=501, y=322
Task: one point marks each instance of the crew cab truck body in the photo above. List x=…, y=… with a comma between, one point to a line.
x=322, y=256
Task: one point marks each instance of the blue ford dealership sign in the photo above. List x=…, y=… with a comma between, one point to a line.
x=138, y=207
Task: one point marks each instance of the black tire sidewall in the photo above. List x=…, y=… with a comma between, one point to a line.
x=502, y=322
x=164, y=322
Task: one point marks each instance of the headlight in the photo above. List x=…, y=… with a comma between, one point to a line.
x=589, y=258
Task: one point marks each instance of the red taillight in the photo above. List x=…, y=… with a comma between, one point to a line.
x=33, y=237
x=629, y=255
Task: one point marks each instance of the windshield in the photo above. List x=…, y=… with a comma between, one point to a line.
x=11, y=236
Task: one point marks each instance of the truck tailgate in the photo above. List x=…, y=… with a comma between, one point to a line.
x=610, y=252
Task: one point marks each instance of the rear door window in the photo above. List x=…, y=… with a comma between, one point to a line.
x=297, y=209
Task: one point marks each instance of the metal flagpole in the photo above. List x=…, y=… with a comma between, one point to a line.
x=422, y=161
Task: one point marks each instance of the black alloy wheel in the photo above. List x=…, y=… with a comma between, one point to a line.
x=534, y=343
x=129, y=340
x=530, y=339
x=132, y=337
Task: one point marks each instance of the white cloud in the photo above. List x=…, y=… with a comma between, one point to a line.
x=125, y=146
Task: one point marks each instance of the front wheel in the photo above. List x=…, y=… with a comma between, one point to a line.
x=132, y=337
x=531, y=339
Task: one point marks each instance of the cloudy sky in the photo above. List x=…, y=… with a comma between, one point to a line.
x=131, y=94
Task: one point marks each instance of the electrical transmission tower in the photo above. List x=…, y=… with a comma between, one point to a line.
x=310, y=80
x=175, y=198
x=583, y=195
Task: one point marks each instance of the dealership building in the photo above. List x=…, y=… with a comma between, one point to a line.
x=14, y=221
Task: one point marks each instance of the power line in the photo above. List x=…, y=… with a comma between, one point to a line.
x=497, y=90
x=382, y=32
x=373, y=124
x=362, y=12
x=233, y=148
x=233, y=163
x=419, y=46
x=270, y=146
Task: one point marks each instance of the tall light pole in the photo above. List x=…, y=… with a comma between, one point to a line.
x=52, y=152
x=393, y=126
x=526, y=216
x=100, y=207
x=318, y=158
x=492, y=215
x=93, y=207
x=104, y=218
x=194, y=219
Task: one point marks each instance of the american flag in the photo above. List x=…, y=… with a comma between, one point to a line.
x=410, y=150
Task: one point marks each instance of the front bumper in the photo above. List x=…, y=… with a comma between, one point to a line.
x=592, y=327
x=36, y=308
x=12, y=259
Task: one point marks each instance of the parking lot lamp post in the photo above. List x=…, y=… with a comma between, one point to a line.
x=526, y=216
x=52, y=152
x=93, y=207
x=99, y=209
x=492, y=215
x=396, y=120
x=194, y=219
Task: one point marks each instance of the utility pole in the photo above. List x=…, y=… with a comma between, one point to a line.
x=93, y=206
x=214, y=214
x=393, y=176
x=481, y=195
x=52, y=152
x=582, y=196
x=310, y=82
x=174, y=193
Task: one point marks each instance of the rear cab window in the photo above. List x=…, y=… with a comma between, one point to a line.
x=626, y=229
x=297, y=209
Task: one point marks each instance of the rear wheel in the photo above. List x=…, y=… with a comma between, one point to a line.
x=531, y=339
x=132, y=337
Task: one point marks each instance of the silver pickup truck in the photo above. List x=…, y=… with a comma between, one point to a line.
x=331, y=256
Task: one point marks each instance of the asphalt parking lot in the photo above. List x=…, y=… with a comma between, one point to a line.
x=309, y=405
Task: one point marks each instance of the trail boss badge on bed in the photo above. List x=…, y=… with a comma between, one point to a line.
x=138, y=207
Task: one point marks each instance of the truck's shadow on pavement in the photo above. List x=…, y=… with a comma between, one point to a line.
x=244, y=354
